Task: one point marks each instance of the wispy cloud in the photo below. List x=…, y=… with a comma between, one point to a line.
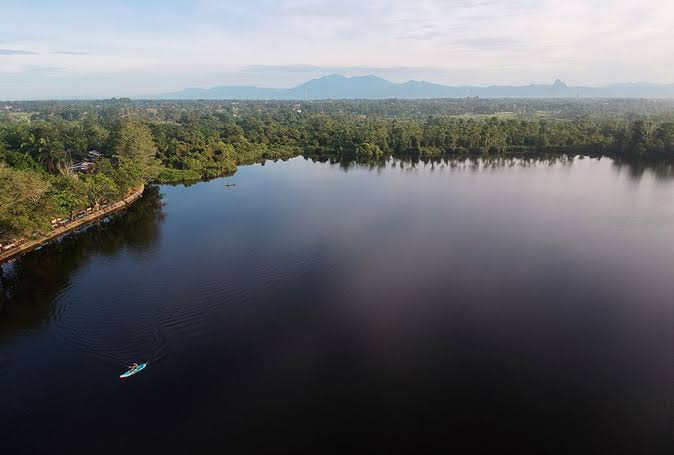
x=69, y=53
x=485, y=43
x=325, y=69
x=127, y=47
x=16, y=52
x=308, y=9
x=423, y=36
x=42, y=69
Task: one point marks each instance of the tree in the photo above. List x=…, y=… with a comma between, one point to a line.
x=24, y=203
x=134, y=140
x=45, y=147
x=95, y=134
x=99, y=187
x=54, y=157
x=368, y=150
x=69, y=193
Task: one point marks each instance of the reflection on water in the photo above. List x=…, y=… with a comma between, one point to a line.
x=452, y=161
x=355, y=306
x=635, y=168
x=29, y=286
x=661, y=170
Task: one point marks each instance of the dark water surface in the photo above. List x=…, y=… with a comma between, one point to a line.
x=322, y=307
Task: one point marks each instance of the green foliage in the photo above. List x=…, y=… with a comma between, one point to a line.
x=69, y=194
x=22, y=161
x=130, y=173
x=171, y=175
x=99, y=187
x=133, y=140
x=45, y=147
x=368, y=150
x=186, y=141
x=24, y=202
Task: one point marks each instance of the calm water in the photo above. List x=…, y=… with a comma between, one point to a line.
x=324, y=307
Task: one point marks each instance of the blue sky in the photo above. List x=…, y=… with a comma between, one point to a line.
x=75, y=48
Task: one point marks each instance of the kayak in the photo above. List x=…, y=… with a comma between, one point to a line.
x=133, y=371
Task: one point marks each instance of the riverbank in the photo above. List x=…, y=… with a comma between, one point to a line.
x=18, y=249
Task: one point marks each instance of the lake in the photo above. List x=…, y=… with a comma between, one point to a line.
x=323, y=306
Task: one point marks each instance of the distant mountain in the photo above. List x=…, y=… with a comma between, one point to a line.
x=341, y=87
x=373, y=87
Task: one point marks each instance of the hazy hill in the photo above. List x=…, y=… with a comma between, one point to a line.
x=373, y=87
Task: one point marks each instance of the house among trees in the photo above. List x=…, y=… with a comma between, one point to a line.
x=86, y=165
x=82, y=166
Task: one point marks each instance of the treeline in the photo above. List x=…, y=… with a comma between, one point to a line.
x=559, y=108
x=169, y=142
x=38, y=185
x=196, y=140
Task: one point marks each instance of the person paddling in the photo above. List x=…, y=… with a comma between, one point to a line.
x=133, y=369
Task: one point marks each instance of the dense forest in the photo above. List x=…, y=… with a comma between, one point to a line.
x=43, y=144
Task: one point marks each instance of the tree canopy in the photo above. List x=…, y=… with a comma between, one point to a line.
x=168, y=141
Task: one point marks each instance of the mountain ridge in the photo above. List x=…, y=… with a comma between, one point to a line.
x=337, y=86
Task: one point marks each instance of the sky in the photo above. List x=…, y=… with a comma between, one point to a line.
x=100, y=49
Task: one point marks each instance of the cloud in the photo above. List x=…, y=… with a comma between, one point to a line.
x=42, y=69
x=69, y=53
x=485, y=43
x=141, y=48
x=324, y=69
x=16, y=52
x=322, y=9
x=423, y=36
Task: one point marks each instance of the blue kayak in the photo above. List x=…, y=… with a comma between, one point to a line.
x=133, y=371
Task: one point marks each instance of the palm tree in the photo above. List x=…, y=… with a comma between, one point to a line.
x=51, y=154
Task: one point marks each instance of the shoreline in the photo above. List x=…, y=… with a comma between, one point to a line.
x=26, y=247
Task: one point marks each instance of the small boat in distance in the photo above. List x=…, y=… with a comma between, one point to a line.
x=229, y=185
x=136, y=368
